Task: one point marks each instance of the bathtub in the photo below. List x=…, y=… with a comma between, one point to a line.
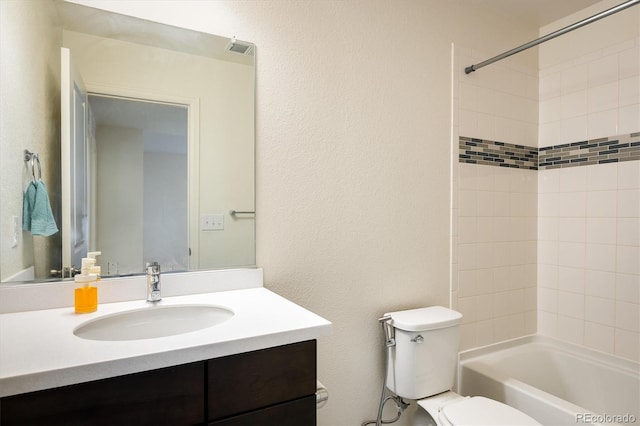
x=554, y=382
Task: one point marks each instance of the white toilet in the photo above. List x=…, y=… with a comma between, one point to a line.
x=422, y=366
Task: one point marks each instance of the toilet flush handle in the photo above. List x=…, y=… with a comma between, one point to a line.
x=418, y=339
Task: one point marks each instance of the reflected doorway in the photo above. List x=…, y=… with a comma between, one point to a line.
x=139, y=190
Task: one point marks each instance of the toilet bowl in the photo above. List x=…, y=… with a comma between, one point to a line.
x=422, y=365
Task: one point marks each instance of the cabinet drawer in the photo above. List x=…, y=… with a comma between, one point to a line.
x=301, y=412
x=253, y=380
x=169, y=396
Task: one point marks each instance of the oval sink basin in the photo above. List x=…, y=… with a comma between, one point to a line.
x=152, y=322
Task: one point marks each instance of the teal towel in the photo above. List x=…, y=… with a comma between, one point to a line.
x=28, y=203
x=37, y=216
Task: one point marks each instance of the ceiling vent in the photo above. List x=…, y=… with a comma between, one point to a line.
x=241, y=47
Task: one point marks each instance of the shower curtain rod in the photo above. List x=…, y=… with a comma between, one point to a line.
x=552, y=35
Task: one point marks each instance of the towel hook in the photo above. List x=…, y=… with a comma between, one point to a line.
x=31, y=157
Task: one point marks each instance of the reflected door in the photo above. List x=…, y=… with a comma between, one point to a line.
x=75, y=178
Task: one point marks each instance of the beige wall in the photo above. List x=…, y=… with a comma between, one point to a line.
x=30, y=115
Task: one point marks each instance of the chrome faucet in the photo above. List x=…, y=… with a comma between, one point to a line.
x=153, y=282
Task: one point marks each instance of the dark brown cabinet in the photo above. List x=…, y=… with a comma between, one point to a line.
x=274, y=386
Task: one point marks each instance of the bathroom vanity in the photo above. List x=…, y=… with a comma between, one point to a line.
x=257, y=367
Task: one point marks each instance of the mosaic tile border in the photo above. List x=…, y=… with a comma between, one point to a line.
x=584, y=153
x=492, y=153
x=596, y=151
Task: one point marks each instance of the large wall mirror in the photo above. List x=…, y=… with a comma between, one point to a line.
x=141, y=133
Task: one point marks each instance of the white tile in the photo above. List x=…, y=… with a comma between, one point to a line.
x=571, y=279
x=516, y=301
x=549, y=180
x=547, y=323
x=629, y=203
x=467, y=307
x=629, y=91
x=603, y=70
x=602, y=124
x=484, y=281
x=484, y=309
x=571, y=254
x=485, y=230
x=571, y=304
x=468, y=122
x=599, y=337
x=573, y=204
x=601, y=230
x=501, y=206
x=468, y=176
x=629, y=62
x=500, y=279
x=501, y=328
x=550, y=133
x=517, y=325
x=572, y=229
x=603, y=97
x=467, y=336
x=628, y=229
x=628, y=288
x=574, y=79
x=549, y=110
x=467, y=256
x=574, y=129
x=549, y=204
x=629, y=175
x=484, y=332
x=486, y=126
x=548, y=228
x=550, y=86
x=570, y=329
x=600, y=283
x=547, y=275
x=486, y=202
x=628, y=119
x=573, y=104
x=531, y=297
x=627, y=344
x=486, y=178
x=467, y=283
x=468, y=203
x=628, y=316
x=628, y=260
x=599, y=310
x=500, y=304
x=467, y=230
x=601, y=257
x=601, y=203
x=573, y=179
x=548, y=252
x=602, y=177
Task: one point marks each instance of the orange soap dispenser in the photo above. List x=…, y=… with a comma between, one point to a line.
x=86, y=292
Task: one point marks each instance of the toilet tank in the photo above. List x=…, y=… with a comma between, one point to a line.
x=424, y=360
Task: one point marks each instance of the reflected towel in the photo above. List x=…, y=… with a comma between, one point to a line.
x=28, y=202
x=37, y=216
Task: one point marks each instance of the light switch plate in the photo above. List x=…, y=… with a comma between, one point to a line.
x=212, y=222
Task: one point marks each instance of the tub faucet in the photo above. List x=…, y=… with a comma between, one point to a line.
x=153, y=282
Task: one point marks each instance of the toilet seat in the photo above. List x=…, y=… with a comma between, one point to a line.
x=479, y=411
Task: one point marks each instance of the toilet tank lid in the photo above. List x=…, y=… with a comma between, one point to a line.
x=423, y=319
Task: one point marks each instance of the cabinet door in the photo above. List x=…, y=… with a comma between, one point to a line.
x=170, y=396
x=249, y=381
x=301, y=412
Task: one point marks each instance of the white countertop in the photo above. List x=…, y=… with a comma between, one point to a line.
x=38, y=349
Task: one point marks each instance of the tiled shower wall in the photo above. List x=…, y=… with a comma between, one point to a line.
x=494, y=209
x=573, y=239
x=589, y=222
